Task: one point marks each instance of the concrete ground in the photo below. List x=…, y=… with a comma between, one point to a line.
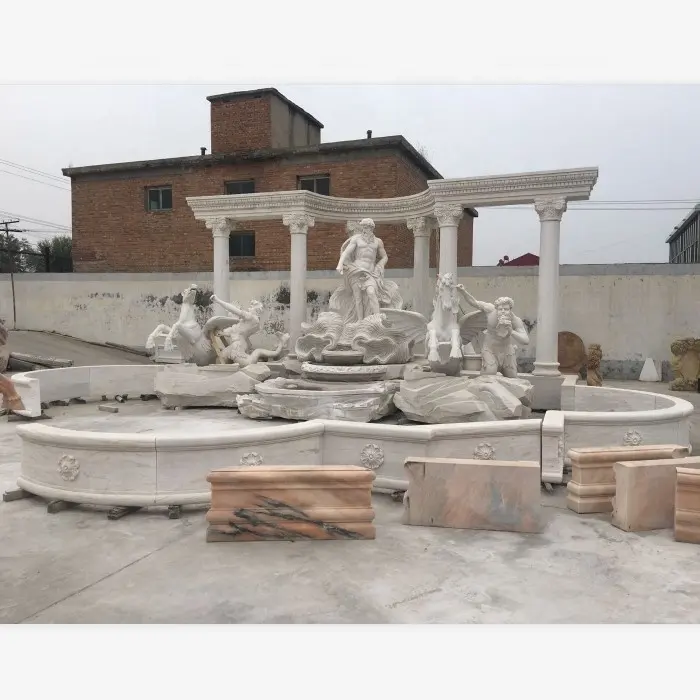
x=78, y=567
x=82, y=353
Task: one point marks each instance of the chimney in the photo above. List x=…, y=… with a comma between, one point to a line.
x=203, y=150
x=369, y=133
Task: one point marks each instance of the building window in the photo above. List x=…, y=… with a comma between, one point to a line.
x=159, y=198
x=321, y=184
x=241, y=244
x=240, y=187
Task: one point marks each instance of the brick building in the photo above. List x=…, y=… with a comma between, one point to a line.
x=133, y=217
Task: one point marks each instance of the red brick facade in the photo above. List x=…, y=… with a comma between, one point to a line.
x=114, y=232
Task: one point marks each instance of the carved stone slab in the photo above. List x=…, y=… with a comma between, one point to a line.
x=291, y=503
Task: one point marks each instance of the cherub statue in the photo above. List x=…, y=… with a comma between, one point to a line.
x=504, y=332
x=245, y=324
x=595, y=355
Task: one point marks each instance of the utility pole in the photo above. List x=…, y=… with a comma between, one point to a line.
x=6, y=224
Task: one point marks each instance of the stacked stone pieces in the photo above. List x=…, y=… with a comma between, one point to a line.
x=686, y=524
x=592, y=485
x=474, y=494
x=290, y=503
x=645, y=493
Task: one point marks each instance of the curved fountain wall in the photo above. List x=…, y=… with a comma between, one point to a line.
x=170, y=469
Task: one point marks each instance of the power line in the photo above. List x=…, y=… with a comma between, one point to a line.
x=33, y=220
x=33, y=170
x=24, y=177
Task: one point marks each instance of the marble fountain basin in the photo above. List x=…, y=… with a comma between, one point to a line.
x=145, y=455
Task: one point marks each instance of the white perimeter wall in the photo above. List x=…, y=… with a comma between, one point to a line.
x=634, y=311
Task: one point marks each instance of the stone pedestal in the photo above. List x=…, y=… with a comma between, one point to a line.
x=473, y=494
x=592, y=485
x=645, y=493
x=290, y=503
x=687, y=514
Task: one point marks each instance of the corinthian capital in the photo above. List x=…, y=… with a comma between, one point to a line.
x=448, y=214
x=298, y=223
x=419, y=226
x=220, y=226
x=550, y=208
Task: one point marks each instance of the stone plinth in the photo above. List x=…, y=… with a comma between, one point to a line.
x=687, y=516
x=473, y=494
x=213, y=386
x=254, y=503
x=592, y=485
x=645, y=493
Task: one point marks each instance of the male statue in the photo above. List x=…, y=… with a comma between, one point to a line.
x=504, y=332
x=362, y=261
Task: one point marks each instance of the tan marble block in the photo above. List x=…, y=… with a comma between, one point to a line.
x=473, y=494
x=687, y=516
x=592, y=485
x=252, y=503
x=645, y=493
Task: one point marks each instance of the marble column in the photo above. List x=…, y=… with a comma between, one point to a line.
x=298, y=228
x=421, y=264
x=448, y=217
x=221, y=231
x=550, y=211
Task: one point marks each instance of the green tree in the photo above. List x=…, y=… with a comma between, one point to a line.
x=54, y=255
x=15, y=254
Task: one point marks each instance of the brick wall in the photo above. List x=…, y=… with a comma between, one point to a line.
x=244, y=124
x=113, y=232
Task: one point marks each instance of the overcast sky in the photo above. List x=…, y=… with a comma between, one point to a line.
x=644, y=139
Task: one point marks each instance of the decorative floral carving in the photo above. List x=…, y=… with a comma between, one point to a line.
x=484, y=450
x=448, y=214
x=68, y=468
x=375, y=370
x=372, y=456
x=220, y=226
x=298, y=222
x=419, y=225
x=251, y=459
x=632, y=438
x=561, y=447
x=550, y=209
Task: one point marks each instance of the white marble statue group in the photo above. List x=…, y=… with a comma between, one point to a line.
x=365, y=316
x=222, y=339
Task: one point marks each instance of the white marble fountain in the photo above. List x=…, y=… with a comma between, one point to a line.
x=355, y=389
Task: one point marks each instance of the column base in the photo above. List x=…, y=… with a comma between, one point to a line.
x=546, y=369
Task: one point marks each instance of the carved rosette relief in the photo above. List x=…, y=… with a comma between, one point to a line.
x=632, y=438
x=251, y=459
x=220, y=226
x=448, y=214
x=484, y=450
x=68, y=468
x=372, y=456
x=298, y=223
x=551, y=208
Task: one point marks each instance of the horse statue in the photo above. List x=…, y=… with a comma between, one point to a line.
x=447, y=328
x=196, y=343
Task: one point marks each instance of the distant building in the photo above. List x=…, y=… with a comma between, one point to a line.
x=527, y=260
x=684, y=242
x=133, y=217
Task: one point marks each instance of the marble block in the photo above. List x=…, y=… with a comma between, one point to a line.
x=686, y=526
x=290, y=503
x=181, y=386
x=435, y=398
x=473, y=494
x=592, y=485
x=645, y=493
